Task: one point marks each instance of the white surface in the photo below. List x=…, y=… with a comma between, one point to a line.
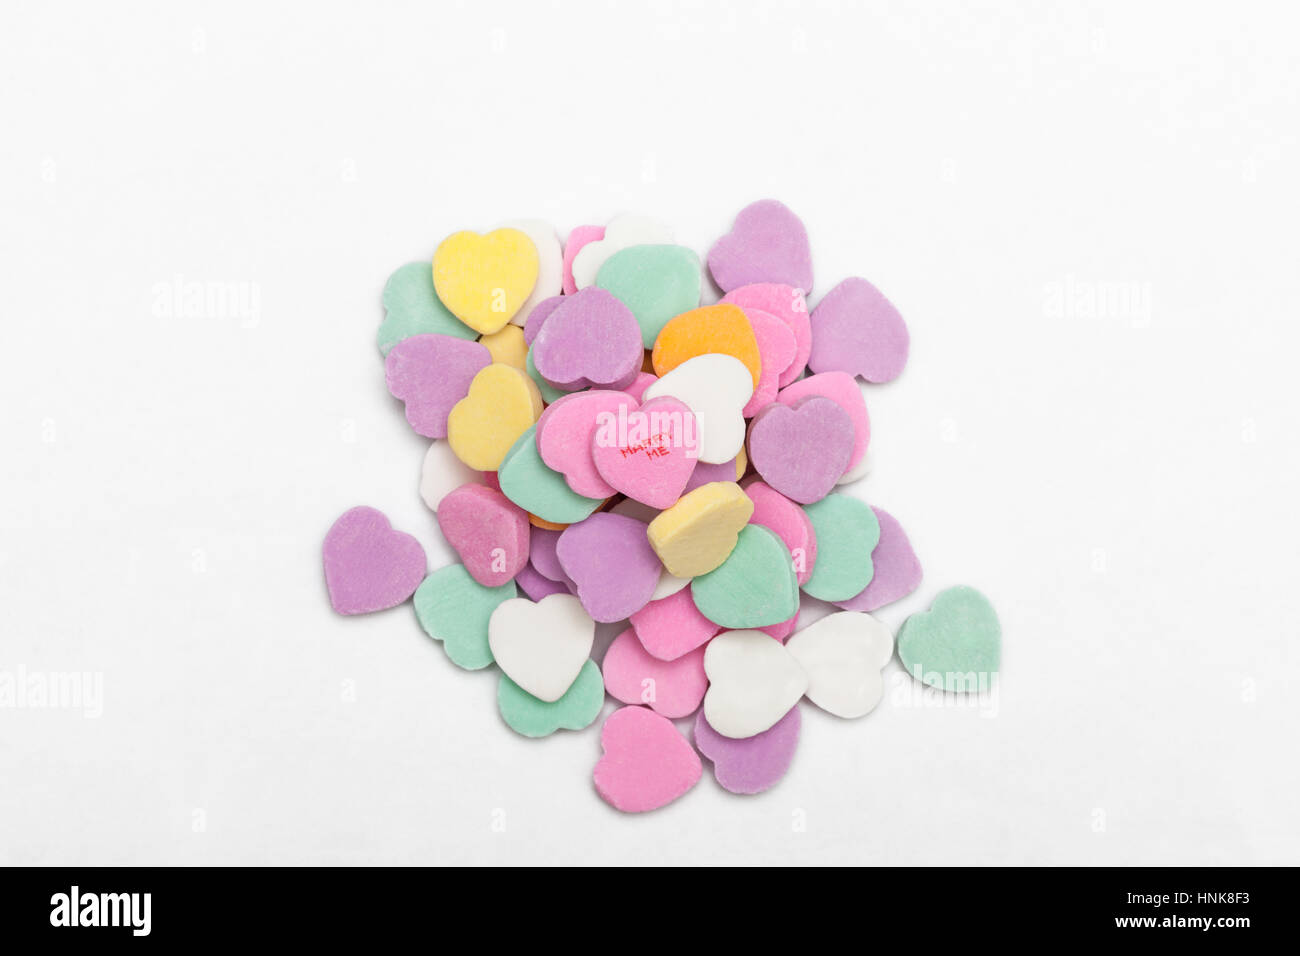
x=1118, y=476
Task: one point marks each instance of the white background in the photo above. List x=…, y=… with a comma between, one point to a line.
x=1120, y=479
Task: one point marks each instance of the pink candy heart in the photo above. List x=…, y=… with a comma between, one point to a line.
x=768, y=243
x=488, y=531
x=579, y=237
x=844, y=391
x=591, y=339
x=801, y=451
x=672, y=626
x=789, y=305
x=368, y=565
x=431, y=373
x=648, y=453
x=857, y=330
x=565, y=433
x=672, y=688
x=776, y=346
x=647, y=764
x=788, y=522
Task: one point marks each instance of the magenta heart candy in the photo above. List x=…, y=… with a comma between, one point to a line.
x=647, y=763
x=789, y=305
x=776, y=347
x=649, y=453
x=751, y=764
x=565, y=434
x=672, y=688
x=579, y=237
x=672, y=626
x=537, y=317
x=541, y=548
x=768, y=243
x=897, y=568
x=857, y=330
x=590, y=340
x=487, y=530
x=706, y=473
x=537, y=586
x=609, y=558
x=368, y=565
x=802, y=450
x=431, y=373
x=842, y=389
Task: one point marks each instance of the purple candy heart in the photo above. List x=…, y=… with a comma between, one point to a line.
x=536, y=585
x=537, y=318
x=541, y=555
x=768, y=243
x=801, y=450
x=752, y=764
x=590, y=340
x=855, y=329
x=705, y=474
x=431, y=373
x=897, y=569
x=368, y=565
x=609, y=558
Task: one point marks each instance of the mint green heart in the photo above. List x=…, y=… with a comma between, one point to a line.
x=454, y=608
x=956, y=645
x=847, y=532
x=754, y=587
x=531, y=485
x=655, y=282
x=578, y=708
x=411, y=307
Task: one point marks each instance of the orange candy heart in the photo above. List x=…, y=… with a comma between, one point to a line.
x=721, y=328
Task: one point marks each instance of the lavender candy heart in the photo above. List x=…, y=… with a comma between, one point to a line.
x=750, y=764
x=855, y=329
x=609, y=558
x=801, y=450
x=431, y=373
x=541, y=555
x=537, y=318
x=590, y=340
x=767, y=243
x=897, y=569
x=706, y=473
x=536, y=585
x=368, y=565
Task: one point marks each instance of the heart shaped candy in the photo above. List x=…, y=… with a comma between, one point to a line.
x=368, y=565
x=754, y=587
x=753, y=683
x=767, y=243
x=844, y=391
x=842, y=654
x=541, y=647
x=655, y=282
x=411, y=307
x=578, y=708
x=858, y=331
x=590, y=340
x=896, y=569
x=579, y=236
x=623, y=231
x=802, y=450
x=566, y=430
x=527, y=482
x=696, y=534
x=956, y=645
x=536, y=585
x=507, y=347
x=672, y=688
x=455, y=609
x=788, y=522
x=776, y=349
x=502, y=404
x=487, y=530
x=715, y=388
x=711, y=329
x=442, y=473
x=787, y=304
x=753, y=764
x=485, y=280
x=647, y=453
x=647, y=764
x=609, y=559
x=431, y=373
x=672, y=626
x=847, y=532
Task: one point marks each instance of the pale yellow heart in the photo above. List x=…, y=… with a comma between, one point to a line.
x=697, y=534
x=507, y=346
x=502, y=404
x=484, y=280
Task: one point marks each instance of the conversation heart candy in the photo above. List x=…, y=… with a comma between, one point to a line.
x=368, y=565
x=842, y=654
x=442, y=472
x=539, y=490
x=411, y=307
x=711, y=329
x=956, y=645
x=802, y=450
x=566, y=430
x=507, y=347
x=767, y=243
x=646, y=764
x=502, y=404
x=672, y=626
x=753, y=683
x=754, y=587
x=649, y=453
x=847, y=532
x=697, y=534
x=538, y=316
x=550, y=263
x=715, y=388
x=536, y=585
x=609, y=559
x=669, y=583
x=542, y=556
x=843, y=390
x=672, y=688
x=788, y=522
x=639, y=384
x=858, y=331
x=623, y=231
x=578, y=237
x=776, y=349
x=590, y=340
x=752, y=764
x=485, y=280
x=431, y=373
x=487, y=530
x=577, y=708
x=896, y=571
x=705, y=473
x=542, y=647
x=455, y=609
x=655, y=282
x=787, y=304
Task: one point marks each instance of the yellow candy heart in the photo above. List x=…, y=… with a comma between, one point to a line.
x=507, y=346
x=484, y=280
x=502, y=404
x=697, y=534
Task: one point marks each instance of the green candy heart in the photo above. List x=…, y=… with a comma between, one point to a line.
x=578, y=708
x=454, y=608
x=411, y=307
x=847, y=532
x=655, y=282
x=956, y=645
x=531, y=485
x=549, y=392
x=754, y=587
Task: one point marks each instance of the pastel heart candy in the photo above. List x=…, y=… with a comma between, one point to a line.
x=542, y=556
x=609, y=559
x=847, y=532
x=590, y=340
x=711, y=329
x=565, y=433
x=455, y=609
x=536, y=585
x=537, y=489
x=542, y=647
x=442, y=472
x=706, y=473
x=858, y=331
x=431, y=373
x=577, y=708
x=767, y=243
x=655, y=282
x=488, y=532
x=672, y=688
x=411, y=307
x=754, y=587
x=672, y=626
x=647, y=453
x=669, y=584
x=716, y=389
x=776, y=349
x=753, y=683
x=782, y=630
x=502, y=404
x=639, y=384
x=623, y=231
x=956, y=645
x=787, y=304
x=548, y=391
x=859, y=471
x=802, y=450
x=578, y=237
x=368, y=565
x=538, y=316
x=897, y=571
x=844, y=391
x=842, y=654
x=697, y=534
x=788, y=522
x=507, y=347
x=752, y=764
x=646, y=764
x=485, y=280
x=550, y=263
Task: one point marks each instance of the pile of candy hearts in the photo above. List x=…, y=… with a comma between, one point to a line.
x=607, y=449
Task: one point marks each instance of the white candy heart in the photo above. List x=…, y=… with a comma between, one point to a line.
x=858, y=471
x=542, y=646
x=753, y=683
x=669, y=584
x=716, y=388
x=443, y=473
x=623, y=231
x=842, y=654
x=550, y=263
